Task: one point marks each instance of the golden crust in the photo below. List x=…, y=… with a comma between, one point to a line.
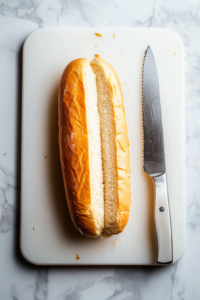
x=121, y=144
x=73, y=144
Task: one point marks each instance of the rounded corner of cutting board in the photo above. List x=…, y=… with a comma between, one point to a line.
x=27, y=256
x=174, y=35
x=32, y=36
x=181, y=253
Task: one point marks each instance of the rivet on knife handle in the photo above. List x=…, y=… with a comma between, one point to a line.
x=154, y=156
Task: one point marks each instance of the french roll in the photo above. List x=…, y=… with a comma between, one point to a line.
x=94, y=147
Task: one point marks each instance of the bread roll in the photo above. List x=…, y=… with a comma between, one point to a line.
x=94, y=148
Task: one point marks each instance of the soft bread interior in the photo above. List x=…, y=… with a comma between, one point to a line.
x=107, y=129
x=94, y=140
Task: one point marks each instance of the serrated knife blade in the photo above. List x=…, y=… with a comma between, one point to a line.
x=154, y=157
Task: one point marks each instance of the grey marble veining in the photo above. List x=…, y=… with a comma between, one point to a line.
x=18, y=279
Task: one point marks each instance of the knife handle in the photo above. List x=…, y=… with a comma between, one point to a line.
x=162, y=220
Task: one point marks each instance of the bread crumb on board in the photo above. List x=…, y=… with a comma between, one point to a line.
x=33, y=228
x=113, y=34
x=95, y=46
x=96, y=55
x=98, y=34
x=77, y=257
x=115, y=242
x=174, y=53
x=121, y=53
x=45, y=156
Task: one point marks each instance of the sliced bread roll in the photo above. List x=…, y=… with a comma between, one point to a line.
x=94, y=149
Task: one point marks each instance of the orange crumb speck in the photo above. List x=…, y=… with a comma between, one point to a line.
x=128, y=88
x=98, y=34
x=33, y=228
x=115, y=242
x=45, y=156
x=174, y=53
x=113, y=34
x=96, y=55
x=95, y=46
x=107, y=55
x=125, y=83
x=121, y=53
x=77, y=257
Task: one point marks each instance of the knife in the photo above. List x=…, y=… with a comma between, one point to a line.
x=154, y=157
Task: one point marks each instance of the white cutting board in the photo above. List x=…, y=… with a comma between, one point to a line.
x=54, y=240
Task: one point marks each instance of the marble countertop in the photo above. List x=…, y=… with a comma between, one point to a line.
x=20, y=280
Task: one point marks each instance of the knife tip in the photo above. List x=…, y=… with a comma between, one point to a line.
x=149, y=48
